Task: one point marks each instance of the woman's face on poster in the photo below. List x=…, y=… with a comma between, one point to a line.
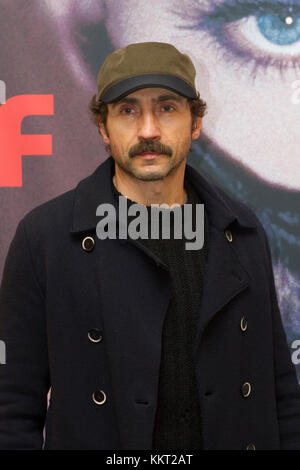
x=247, y=58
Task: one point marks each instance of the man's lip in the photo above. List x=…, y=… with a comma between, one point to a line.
x=149, y=153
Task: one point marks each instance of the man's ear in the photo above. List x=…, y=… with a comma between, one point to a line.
x=196, y=128
x=104, y=134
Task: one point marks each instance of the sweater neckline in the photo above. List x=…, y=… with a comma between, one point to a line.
x=130, y=201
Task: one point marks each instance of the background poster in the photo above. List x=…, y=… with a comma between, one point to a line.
x=247, y=55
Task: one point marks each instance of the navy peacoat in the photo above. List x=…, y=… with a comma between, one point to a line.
x=84, y=316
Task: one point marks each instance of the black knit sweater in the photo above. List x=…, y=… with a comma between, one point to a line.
x=178, y=422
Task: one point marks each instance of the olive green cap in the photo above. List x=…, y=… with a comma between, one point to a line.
x=144, y=65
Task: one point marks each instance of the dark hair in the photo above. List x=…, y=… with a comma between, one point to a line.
x=98, y=110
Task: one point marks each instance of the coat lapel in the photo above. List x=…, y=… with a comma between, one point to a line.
x=224, y=278
x=135, y=289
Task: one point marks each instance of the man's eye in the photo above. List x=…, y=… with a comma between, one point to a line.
x=126, y=111
x=167, y=107
x=258, y=33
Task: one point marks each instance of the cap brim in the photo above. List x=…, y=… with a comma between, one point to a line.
x=129, y=85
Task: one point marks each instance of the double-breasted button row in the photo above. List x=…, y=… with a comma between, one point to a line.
x=99, y=397
x=88, y=243
x=246, y=389
x=95, y=335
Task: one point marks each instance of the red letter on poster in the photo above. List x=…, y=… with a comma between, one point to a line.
x=13, y=145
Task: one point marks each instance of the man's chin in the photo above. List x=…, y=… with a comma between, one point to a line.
x=150, y=176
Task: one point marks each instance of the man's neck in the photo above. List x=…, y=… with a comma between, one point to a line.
x=169, y=190
x=147, y=203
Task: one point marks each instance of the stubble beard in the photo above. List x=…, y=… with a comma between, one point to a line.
x=127, y=164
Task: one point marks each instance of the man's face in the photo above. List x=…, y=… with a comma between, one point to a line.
x=149, y=132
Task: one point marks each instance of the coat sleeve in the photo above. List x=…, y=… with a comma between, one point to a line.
x=24, y=377
x=286, y=384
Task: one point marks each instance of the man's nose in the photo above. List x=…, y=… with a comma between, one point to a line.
x=148, y=126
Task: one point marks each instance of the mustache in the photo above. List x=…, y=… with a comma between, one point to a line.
x=150, y=146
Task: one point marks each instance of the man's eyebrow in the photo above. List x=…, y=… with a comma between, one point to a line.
x=160, y=98
x=124, y=100
x=169, y=97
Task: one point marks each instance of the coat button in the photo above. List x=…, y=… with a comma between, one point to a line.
x=228, y=235
x=251, y=447
x=88, y=243
x=94, y=335
x=246, y=389
x=99, y=397
x=244, y=324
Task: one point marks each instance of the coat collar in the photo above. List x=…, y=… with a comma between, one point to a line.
x=97, y=189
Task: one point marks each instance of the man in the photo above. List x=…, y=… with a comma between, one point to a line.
x=145, y=344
